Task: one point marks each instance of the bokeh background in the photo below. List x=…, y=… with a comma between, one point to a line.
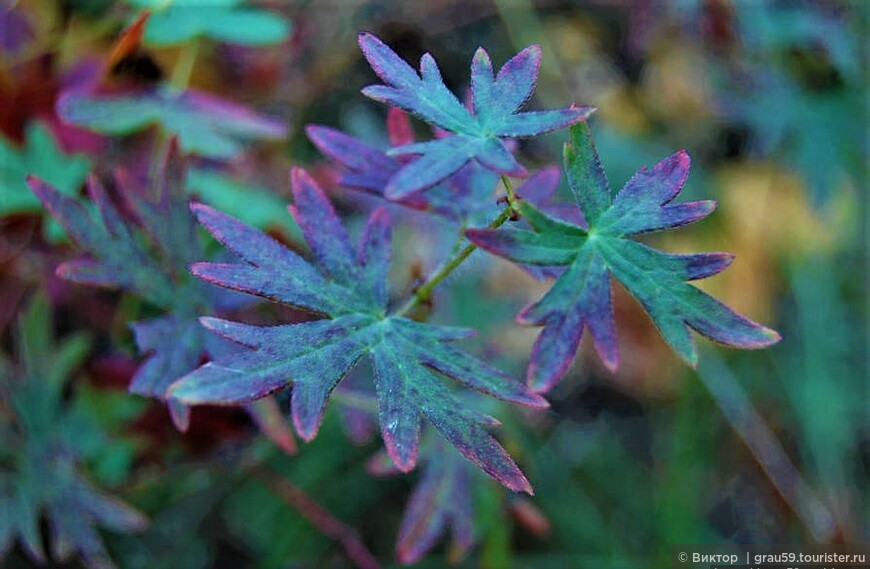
x=769, y=98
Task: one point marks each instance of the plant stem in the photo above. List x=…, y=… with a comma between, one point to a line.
x=184, y=65
x=321, y=519
x=424, y=292
x=179, y=80
x=509, y=188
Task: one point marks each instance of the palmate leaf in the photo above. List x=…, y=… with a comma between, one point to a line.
x=118, y=255
x=228, y=21
x=477, y=133
x=581, y=297
x=350, y=287
x=206, y=125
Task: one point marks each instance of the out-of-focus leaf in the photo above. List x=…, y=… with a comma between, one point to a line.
x=441, y=500
x=205, y=124
x=41, y=474
x=809, y=129
x=15, y=29
x=254, y=205
x=770, y=27
x=228, y=21
x=118, y=257
x=40, y=156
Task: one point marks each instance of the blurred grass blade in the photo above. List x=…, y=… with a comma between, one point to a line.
x=768, y=451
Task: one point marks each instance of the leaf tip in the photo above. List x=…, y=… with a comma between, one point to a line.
x=180, y=414
x=521, y=484
x=209, y=322
x=771, y=337
x=534, y=399
x=199, y=208
x=610, y=361
x=307, y=431
x=540, y=380
x=481, y=57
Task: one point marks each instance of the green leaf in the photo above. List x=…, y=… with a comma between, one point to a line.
x=254, y=205
x=40, y=156
x=228, y=21
x=581, y=296
x=42, y=474
x=205, y=124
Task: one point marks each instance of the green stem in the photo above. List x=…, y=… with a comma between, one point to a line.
x=184, y=66
x=509, y=188
x=179, y=80
x=424, y=292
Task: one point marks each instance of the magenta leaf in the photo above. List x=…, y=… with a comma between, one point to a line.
x=478, y=133
x=581, y=297
x=348, y=286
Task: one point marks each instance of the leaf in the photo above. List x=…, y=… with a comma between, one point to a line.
x=808, y=129
x=478, y=132
x=254, y=205
x=464, y=196
x=581, y=297
x=227, y=21
x=41, y=156
x=461, y=197
x=349, y=287
x=117, y=257
x=206, y=125
x=15, y=33
x=267, y=414
x=441, y=499
x=40, y=471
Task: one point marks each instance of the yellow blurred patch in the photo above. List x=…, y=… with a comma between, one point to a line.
x=763, y=218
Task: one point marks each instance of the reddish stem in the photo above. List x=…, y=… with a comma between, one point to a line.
x=347, y=536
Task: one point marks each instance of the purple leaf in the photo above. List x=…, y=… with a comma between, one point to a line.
x=462, y=197
x=581, y=296
x=175, y=342
x=118, y=260
x=349, y=287
x=15, y=29
x=441, y=499
x=477, y=134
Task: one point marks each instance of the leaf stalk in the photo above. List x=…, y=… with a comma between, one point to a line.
x=423, y=293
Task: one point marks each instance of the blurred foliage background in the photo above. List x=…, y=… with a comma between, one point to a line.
x=770, y=99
